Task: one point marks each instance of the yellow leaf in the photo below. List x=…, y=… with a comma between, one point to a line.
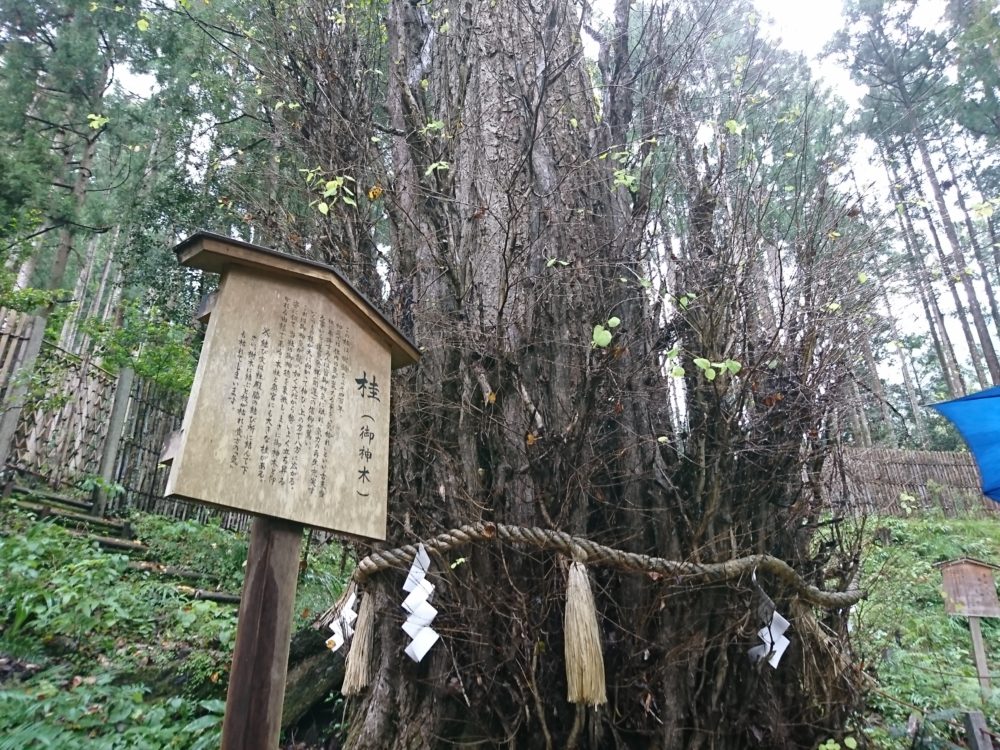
x=142, y=24
x=491, y=398
x=531, y=438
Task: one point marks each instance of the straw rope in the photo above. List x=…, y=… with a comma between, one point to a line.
x=586, y=551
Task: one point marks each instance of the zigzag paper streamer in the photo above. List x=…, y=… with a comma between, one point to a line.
x=419, y=610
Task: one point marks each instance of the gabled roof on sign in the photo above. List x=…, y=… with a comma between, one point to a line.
x=960, y=560
x=215, y=252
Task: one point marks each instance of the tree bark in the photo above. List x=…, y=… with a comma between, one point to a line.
x=985, y=338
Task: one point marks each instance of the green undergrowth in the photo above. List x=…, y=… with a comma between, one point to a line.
x=921, y=656
x=96, y=654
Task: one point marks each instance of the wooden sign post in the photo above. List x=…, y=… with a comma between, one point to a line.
x=970, y=591
x=288, y=419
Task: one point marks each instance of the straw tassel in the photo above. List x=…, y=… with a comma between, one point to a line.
x=584, y=659
x=358, y=672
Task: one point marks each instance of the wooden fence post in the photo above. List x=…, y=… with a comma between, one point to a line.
x=976, y=732
x=16, y=391
x=109, y=454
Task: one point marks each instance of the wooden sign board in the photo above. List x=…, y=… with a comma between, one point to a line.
x=289, y=412
x=969, y=588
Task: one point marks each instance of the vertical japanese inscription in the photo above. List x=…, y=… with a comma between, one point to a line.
x=289, y=415
x=288, y=391
x=367, y=391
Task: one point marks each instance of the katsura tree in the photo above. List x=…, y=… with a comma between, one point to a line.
x=639, y=286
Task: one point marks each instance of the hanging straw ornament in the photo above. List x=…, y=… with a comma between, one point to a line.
x=584, y=659
x=358, y=672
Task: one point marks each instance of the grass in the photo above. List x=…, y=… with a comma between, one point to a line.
x=105, y=656
x=920, y=655
x=117, y=658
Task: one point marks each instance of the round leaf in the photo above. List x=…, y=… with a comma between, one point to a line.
x=601, y=336
x=614, y=322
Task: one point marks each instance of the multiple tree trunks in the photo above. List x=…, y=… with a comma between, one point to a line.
x=522, y=214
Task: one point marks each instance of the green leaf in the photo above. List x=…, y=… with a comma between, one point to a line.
x=97, y=122
x=677, y=371
x=663, y=440
x=733, y=366
x=833, y=306
x=983, y=210
x=614, y=322
x=573, y=123
x=862, y=278
x=850, y=743
x=734, y=127
x=601, y=336
x=702, y=363
x=323, y=207
x=202, y=723
x=142, y=24
x=556, y=262
x=671, y=353
x=710, y=374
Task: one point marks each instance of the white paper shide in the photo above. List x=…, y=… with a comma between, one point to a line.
x=343, y=624
x=420, y=612
x=774, y=641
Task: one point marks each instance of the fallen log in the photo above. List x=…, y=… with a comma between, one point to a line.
x=169, y=571
x=313, y=672
x=112, y=542
x=69, y=517
x=213, y=596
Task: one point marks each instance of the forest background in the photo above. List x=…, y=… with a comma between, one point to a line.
x=656, y=289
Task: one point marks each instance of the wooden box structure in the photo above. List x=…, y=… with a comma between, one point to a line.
x=969, y=588
x=289, y=412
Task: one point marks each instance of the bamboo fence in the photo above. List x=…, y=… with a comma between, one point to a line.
x=61, y=433
x=904, y=482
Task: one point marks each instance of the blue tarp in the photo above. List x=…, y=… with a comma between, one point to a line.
x=977, y=418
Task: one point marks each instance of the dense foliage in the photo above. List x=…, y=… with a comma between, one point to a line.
x=921, y=656
x=655, y=285
x=99, y=655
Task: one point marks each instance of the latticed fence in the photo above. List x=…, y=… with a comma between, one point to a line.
x=15, y=330
x=63, y=425
x=903, y=482
x=63, y=428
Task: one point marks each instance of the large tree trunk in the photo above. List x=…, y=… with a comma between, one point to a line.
x=511, y=232
x=522, y=211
